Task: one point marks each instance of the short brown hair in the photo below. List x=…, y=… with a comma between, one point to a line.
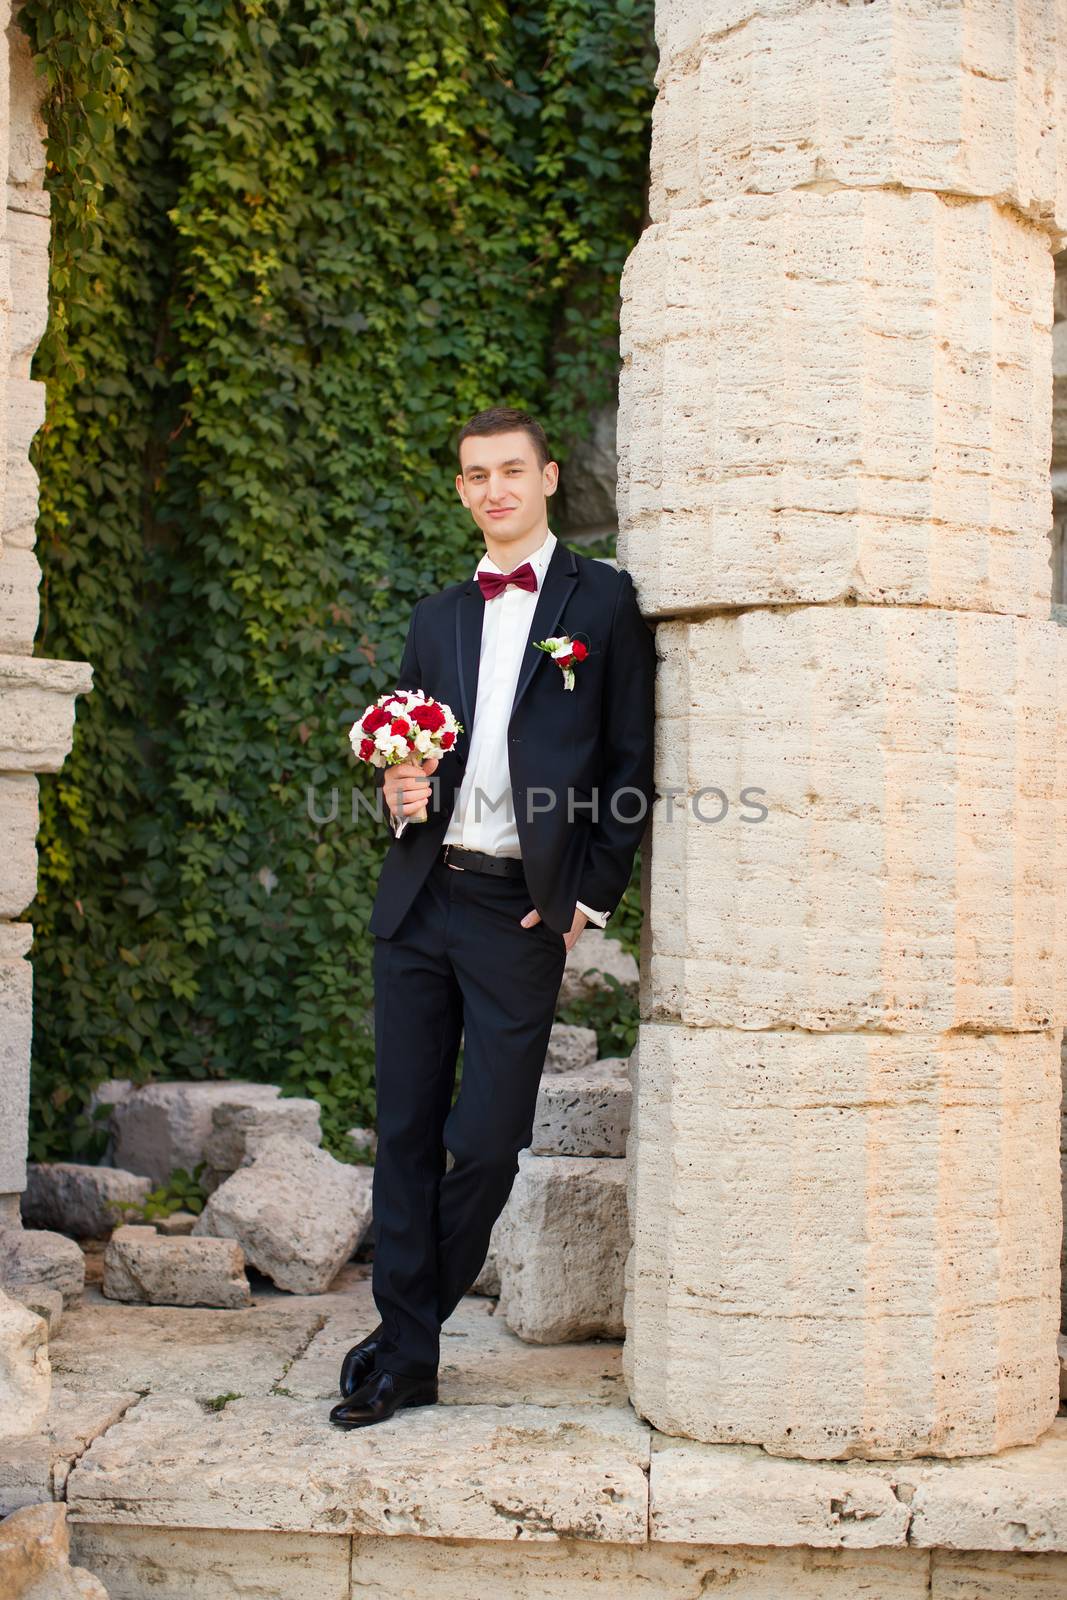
x=505, y=419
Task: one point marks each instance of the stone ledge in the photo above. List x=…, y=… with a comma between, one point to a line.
x=738, y=1494
x=491, y=1472
x=37, y=1468
x=37, y=711
x=454, y=1472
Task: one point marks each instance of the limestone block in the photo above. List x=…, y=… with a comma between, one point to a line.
x=86, y=1202
x=37, y=711
x=25, y=414
x=20, y=575
x=893, y=1291
x=18, y=835
x=35, y=1468
x=592, y=957
x=142, y=1267
x=203, y=1564
x=25, y=1373
x=989, y=1575
x=837, y=396
x=35, y=1558
x=959, y=98
x=28, y=240
x=296, y=1212
x=562, y=1249
x=872, y=821
x=237, y=1130
x=578, y=1115
x=110, y=1093
x=163, y=1126
x=179, y=1225
x=16, y=1035
x=723, y=1494
x=1061, y=1350
x=1011, y=1501
x=33, y=1259
x=570, y=1047
x=106, y=1346
x=46, y=1304
x=412, y=1569
x=449, y=1472
x=26, y=130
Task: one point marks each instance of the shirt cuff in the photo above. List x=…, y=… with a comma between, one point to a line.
x=397, y=824
x=600, y=918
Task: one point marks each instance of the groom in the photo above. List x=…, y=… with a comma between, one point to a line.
x=534, y=819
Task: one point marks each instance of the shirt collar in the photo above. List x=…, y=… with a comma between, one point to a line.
x=539, y=560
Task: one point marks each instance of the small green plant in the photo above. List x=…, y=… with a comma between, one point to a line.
x=182, y=1191
x=613, y=1013
x=221, y=1401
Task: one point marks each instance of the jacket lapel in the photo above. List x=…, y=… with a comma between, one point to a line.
x=556, y=589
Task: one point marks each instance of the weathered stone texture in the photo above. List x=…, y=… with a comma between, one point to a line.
x=297, y=1213
x=205, y=1564
x=580, y=1114
x=16, y=1034
x=18, y=831
x=142, y=1267
x=35, y=1468
x=35, y=1558
x=25, y=1373
x=906, y=876
x=561, y=1244
x=87, y=1202
x=238, y=1130
x=844, y=1244
x=967, y=99
x=37, y=711
x=163, y=1126
x=836, y=396
x=570, y=1047
x=458, y=1472
x=34, y=1259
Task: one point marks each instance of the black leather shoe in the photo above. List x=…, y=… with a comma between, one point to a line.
x=381, y=1395
x=359, y=1362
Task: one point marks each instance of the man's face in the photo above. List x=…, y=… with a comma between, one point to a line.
x=504, y=486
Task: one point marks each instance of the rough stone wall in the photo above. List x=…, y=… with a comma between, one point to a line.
x=36, y=696
x=835, y=417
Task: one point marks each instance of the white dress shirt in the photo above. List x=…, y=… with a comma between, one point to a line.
x=484, y=816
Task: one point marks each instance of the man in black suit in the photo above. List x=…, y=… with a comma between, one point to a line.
x=532, y=826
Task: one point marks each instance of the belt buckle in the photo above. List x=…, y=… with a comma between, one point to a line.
x=452, y=864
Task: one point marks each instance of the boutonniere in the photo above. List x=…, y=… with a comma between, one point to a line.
x=564, y=651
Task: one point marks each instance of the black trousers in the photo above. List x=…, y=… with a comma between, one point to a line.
x=459, y=962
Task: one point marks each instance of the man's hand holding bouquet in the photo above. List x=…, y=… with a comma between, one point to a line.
x=407, y=733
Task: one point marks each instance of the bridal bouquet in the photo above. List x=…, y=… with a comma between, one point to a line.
x=405, y=725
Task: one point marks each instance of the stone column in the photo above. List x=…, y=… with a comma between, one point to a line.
x=36, y=696
x=834, y=433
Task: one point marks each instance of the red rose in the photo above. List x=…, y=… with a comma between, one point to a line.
x=564, y=661
x=579, y=650
x=376, y=718
x=447, y=741
x=366, y=749
x=400, y=726
x=431, y=717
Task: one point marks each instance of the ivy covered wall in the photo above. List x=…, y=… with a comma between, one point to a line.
x=295, y=245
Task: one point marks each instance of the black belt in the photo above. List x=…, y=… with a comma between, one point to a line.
x=478, y=861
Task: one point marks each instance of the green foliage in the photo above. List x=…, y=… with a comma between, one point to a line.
x=296, y=244
x=612, y=1013
x=183, y=1191
x=219, y=1402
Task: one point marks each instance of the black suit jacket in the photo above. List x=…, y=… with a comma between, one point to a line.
x=571, y=753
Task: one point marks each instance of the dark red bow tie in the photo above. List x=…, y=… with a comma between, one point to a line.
x=494, y=583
